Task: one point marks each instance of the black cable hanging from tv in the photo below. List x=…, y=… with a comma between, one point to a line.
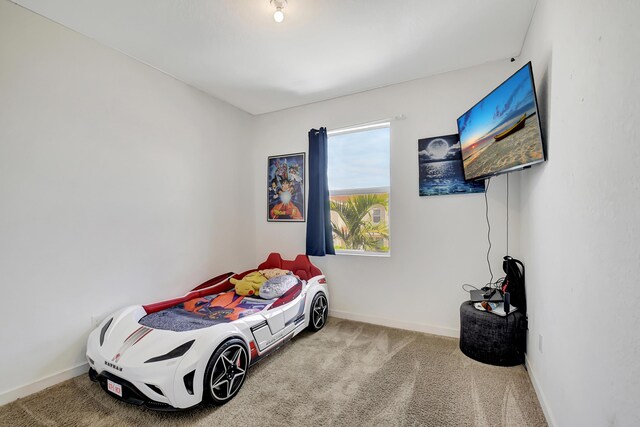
x=486, y=205
x=507, y=214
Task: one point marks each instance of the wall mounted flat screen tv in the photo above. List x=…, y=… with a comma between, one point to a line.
x=501, y=133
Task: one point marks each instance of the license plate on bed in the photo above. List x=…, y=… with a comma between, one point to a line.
x=114, y=388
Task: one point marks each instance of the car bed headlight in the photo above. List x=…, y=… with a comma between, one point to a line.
x=104, y=330
x=176, y=352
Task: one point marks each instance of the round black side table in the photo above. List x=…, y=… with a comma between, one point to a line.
x=492, y=339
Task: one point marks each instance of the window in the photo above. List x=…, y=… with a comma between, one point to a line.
x=375, y=217
x=358, y=172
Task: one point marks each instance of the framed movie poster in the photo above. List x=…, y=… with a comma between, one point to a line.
x=440, y=163
x=285, y=188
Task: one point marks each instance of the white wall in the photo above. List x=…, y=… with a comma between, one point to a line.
x=118, y=185
x=437, y=243
x=580, y=214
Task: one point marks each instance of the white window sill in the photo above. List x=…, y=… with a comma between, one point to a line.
x=363, y=253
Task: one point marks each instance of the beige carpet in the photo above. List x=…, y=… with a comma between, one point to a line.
x=348, y=374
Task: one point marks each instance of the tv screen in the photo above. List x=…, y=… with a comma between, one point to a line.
x=501, y=133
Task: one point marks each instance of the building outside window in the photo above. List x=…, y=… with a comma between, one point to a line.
x=359, y=186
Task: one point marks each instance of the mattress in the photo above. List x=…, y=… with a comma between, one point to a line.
x=203, y=312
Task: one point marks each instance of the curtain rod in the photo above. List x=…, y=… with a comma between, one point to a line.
x=356, y=126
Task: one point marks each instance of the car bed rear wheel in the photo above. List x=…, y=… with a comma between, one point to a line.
x=226, y=371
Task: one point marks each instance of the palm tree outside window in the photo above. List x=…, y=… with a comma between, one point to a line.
x=359, y=177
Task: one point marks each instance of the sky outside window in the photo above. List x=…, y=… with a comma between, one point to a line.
x=359, y=160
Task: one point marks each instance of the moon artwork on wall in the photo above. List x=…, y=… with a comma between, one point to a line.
x=440, y=168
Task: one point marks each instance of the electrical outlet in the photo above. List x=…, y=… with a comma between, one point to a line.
x=540, y=343
x=95, y=321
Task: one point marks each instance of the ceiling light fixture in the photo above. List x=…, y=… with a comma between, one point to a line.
x=278, y=15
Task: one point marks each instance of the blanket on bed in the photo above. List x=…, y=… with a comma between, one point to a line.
x=203, y=312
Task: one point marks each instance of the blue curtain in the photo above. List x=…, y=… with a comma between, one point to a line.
x=319, y=238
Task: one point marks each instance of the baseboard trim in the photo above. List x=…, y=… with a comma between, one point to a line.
x=25, y=390
x=541, y=397
x=418, y=327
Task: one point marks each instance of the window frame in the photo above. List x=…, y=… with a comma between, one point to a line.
x=371, y=190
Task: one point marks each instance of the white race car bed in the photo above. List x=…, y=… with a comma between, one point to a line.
x=175, y=354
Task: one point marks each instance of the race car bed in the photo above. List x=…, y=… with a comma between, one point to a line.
x=174, y=354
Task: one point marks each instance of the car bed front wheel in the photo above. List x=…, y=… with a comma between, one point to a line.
x=226, y=371
x=319, y=312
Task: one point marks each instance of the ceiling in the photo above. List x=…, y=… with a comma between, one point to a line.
x=233, y=50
